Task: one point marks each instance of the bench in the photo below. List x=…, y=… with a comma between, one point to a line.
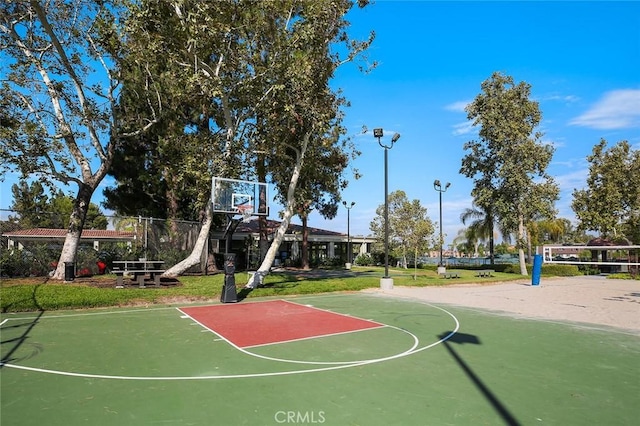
x=139, y=270
x=449, y=275
x=485, y=273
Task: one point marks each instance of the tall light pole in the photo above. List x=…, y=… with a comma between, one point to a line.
x=438, y=187
x=348, y=207
x=386, y=282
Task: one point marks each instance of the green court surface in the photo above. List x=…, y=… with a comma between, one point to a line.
x=430, y=365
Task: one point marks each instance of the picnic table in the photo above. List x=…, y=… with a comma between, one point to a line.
x=485, y=273
x=449, y=275
x=139, y=269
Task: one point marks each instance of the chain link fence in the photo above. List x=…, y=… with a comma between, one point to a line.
x=155, y=239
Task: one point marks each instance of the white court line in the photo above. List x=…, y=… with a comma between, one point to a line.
x=416, y=342
x=251, y=375
x=327, y=310
x=293, y=361
x=55, y=315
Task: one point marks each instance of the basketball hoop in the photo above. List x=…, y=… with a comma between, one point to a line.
x=246, y=210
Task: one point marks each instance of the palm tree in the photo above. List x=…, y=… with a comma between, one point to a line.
x=482, y=225
x=466, y=242
x=553, y=230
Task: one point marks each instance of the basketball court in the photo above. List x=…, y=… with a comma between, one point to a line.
x=339, y=359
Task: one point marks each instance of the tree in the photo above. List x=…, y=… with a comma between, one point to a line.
x=164, y=171
x=202, y=51
x=482, y=226
x=322, y=179
x=550, y=231
x=305, y=109
x=66, y=62
x=410, y=229
x=508, y=163
x=37, y=210
x=466, y=242
x=610, y=205
x=30, y=202
x=420, y=237
x=259, y=72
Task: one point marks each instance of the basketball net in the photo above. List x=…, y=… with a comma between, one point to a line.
x=246, y=211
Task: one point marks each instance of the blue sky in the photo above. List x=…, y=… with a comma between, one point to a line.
x=582, y=60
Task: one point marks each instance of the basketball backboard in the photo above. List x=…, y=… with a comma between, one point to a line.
x=235, y=196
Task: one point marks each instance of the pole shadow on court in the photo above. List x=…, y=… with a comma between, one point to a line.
x=244, y=293
x=20, y=340
x=461, y=339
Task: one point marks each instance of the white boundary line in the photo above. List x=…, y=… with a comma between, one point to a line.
x=329, y=311
x=253, y=354
x=251, y=375
x=319, y=336
x=54, y=315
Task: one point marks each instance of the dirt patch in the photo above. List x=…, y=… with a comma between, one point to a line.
x=592, y=300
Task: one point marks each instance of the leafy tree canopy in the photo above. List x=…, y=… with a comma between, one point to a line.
x=610, y=204
x=63, y=67
x=410, y=229
x=508, y=162
x=37, y=210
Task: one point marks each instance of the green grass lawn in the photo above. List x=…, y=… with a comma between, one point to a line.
x=40, y=294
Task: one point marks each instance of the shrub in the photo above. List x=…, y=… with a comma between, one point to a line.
x=333, y=261
x=117, y=251
x=172, y=256
x=498, y=267
x=364, y=260
x=623, y=276
x=560, y=270
x=34, y=260
x=547, y=269
x=428, y=266
x=588, y=269
x=511, y=269
x=14, y=264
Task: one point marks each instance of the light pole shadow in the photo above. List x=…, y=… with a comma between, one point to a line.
x=461, y=339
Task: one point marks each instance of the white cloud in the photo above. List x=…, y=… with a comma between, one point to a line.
x=575, y=179
x=463, y=128
x=561, y=98
x=457, y=106
x=617, y=109
x=553, y=142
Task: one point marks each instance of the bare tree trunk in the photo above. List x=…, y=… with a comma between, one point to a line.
x=529, y=248
x=172, y=202
x=492, y=255
x=74, y=230
x=257, y=279
x=521, y=238
x=305, y=243
x=263, y=243
x=196, y=254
